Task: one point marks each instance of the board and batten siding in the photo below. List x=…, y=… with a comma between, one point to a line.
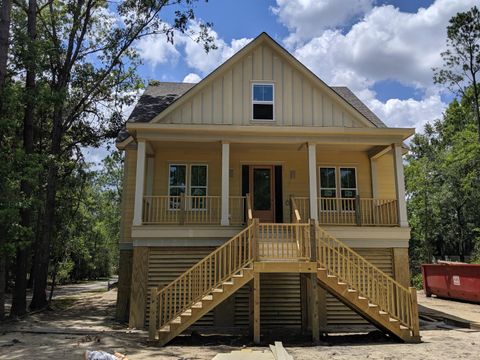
x=227, y=98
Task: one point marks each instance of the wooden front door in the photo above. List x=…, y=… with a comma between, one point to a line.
x=263, y=192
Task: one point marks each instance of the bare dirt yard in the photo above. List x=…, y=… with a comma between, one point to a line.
x=85, y=321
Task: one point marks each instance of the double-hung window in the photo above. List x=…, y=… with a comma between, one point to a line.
x=262, y=102
x=348, y=187
x=198, y=186
x=177, y=184
x=328, y=188
x=191, y=180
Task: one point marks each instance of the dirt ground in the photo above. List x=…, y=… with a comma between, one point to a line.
x=86, y=321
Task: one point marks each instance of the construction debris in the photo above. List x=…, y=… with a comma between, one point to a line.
x=276, y=352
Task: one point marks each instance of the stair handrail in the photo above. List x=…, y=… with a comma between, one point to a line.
x=296, y=218
x=167, y=303
x=380, y=288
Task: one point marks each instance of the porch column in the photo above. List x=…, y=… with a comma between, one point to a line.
x=225, y=221
x=400, y=185
x=139, y=183
x=373, y=172
x=312, y=180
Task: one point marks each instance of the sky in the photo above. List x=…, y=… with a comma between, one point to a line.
x=383, y=50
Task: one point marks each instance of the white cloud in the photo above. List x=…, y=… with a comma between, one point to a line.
x=156, y=50
x=192, y=78
x=386, y=44
x=308, y=18
x=410, y=112
x=205, y=63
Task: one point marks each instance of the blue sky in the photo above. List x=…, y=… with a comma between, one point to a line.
x=383, y=50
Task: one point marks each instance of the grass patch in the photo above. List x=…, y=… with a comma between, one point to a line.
x=63, y=303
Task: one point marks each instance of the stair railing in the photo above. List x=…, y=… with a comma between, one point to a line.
x=369, y=281
x=169, y=302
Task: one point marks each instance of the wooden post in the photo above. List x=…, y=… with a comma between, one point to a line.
x=415, y=321
x=313, y=240
x=183, y=207
x=153, y=316
x=139, y=183
x=254, y=242
x=400, y=185
x=312, y=181
x=358, y=211
x=314, y=284
x=256, y=308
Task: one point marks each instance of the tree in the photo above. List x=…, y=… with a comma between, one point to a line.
x=91, y=63
x=5, y=15
x=461, y=60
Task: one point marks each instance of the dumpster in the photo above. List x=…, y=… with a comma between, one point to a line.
x=452, y=280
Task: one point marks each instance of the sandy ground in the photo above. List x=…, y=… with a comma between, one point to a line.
x=86, y=321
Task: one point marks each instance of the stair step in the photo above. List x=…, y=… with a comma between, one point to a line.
x=392, y=320
x=404, y=327
x=342, y=283
x=187, y=313
x=352, y=290
x=331, y=276
x=198, y=305
x=238, y=275
x=207, y=298
x=228, y=283
x=217, y=290
x=177, y=320
x=362, y=298
x=165, y=329
x=370, y=305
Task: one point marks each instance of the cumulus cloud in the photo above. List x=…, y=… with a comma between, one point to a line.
x=156, y=50
x=192, y=78
x=386, y=44
x=307, y=18
x=205, y=63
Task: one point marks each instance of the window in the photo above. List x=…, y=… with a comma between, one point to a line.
x=193, y=183
x=198, y=185
x=262, y=101
x=177, y=181
x=348, y=183
x=328, y=188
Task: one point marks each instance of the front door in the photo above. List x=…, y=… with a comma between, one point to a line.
x=262, y=192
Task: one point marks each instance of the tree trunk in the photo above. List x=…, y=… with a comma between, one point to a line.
x=5, y=15
x=19, y=301
x=42, y=247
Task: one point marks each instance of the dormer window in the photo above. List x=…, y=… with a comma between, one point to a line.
x=262, y=102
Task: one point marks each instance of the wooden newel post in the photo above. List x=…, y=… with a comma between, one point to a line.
x=255, y=239
x=358, y=211
x=183, y=206
x=313, y=240
x=153, y=316
x=415, y=321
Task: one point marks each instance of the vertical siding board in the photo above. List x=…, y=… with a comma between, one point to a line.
x=307, y=103
x=279, y=90
x=267, y=68
x=217, y=101
x=247, y=84
x=287, y=99
x=227, y=113
x=237, y=94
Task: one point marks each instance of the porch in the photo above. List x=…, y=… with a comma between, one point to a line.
x=206, y=184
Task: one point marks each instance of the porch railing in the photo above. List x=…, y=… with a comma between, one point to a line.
x=350, y=211
x=187, y=209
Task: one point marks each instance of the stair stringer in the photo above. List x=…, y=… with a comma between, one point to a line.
x=209, y=301
x=362, y=306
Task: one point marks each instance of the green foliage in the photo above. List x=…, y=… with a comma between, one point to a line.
x=417, y=281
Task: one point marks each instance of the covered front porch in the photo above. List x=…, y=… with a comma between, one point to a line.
x=345, y=181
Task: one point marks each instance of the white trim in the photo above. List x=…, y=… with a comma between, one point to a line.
x=139, y=183
x=340, y=180
x=225, y=221
x=320, y=179
x=263, y=102
x=400, y=185
x=373, y=175
x=312, y=180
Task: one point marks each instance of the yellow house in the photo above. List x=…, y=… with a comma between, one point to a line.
x=261, y=197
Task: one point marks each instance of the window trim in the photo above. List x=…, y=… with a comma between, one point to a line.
x=320, y=180
x=169, y=186
x=263, y=102
x=338, y=183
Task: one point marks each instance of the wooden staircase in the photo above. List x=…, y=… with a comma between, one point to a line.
x=351, y=278
x=366, y=289
x=207, y=303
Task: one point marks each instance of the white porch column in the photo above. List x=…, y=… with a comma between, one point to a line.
x=312, y=180
x=400, y=185
x=139, y=183
x=225, y=183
